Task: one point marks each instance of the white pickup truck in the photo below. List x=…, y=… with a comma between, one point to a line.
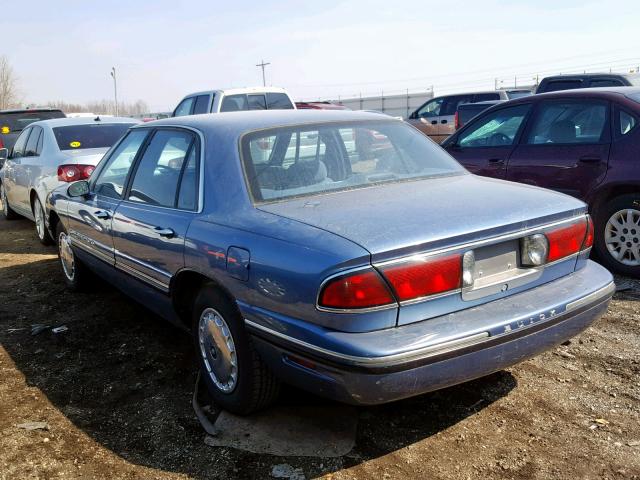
x=235, y=100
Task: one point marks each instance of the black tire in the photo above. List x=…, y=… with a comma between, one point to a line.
x=80, y=280
x=631, y=237
x=7, y=211
x=43, y=235
x=255, y=386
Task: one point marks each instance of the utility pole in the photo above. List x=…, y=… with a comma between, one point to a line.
x=115, y=87
x=262, y=65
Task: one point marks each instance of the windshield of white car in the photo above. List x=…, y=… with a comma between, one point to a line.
x=313, y=159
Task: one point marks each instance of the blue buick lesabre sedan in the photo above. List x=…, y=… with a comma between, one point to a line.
x=342, y=252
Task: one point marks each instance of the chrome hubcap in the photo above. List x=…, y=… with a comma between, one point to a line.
x=622, y=236
x=66, y=256
x=218, y=350
x=39, y=220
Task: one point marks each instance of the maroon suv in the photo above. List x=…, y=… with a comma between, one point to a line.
x=585, y=143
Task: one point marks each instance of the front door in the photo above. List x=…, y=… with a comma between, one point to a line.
x=427, y=118
x=17, y=180
x=90, y=217
x=565, y=147
x=485, y=145
x=150, y=224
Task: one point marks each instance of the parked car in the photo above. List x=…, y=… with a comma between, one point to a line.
x=365, y=276
x=584, y=143
x=12, y=122
x=234, y=100
x=320, y=106
x=587, y=80
x=466, y=111
x=49, y=153
x=436, y=117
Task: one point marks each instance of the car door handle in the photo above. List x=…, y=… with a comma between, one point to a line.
x=165, y=232
x=590, y=158
x=433, y=122
x=496, y=160
x=443, y=121
x=102, y=214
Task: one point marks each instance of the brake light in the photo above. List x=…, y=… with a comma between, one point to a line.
x=456, y=121
x=566, y=241
x=588, y=239
x=72, y=173
x=1, y=143
x=423, y=277
x=362, y=289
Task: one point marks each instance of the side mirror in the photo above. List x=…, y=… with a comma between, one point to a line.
x=413, y=115
x=78, y=189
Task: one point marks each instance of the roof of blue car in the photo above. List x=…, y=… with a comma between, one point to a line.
x=254, y=120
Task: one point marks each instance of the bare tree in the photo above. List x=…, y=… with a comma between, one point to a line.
x=8, y=84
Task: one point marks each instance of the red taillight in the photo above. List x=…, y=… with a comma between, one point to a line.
x=566, y=241
x=363, y=289
x=423, y=277
x=1, y=143
x=456, y=121
x=72, y=173
x=588, y=239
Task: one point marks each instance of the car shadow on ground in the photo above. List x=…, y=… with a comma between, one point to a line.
x=126, y=378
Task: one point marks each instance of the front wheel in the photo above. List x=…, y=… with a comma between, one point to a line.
x=236, y=377
x=75, y=274
x=7, y=211
x=41, y=227
x=617, y=241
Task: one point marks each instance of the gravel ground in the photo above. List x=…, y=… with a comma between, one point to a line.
x=112, y=395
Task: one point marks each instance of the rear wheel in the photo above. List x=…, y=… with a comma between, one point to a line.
x=75, y=274
x=236, y=377
x=41, y=227
x=7, y=211
x=617, y=241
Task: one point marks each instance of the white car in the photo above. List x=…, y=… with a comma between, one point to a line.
x=234, y=100
x=49, y=153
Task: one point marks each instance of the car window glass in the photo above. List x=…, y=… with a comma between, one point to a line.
x=278, y=101
x=32, y=144
x=184, y=108
x=21, y=142
x=431, y=109
x=40, y=143
x=187, y=196
x=234, y=103
x=627, y=122
x=202, y=105
x=89, y=135
x=112, y=177
x=605, y=82
x=451, y=103
x=157, y=175
x=484, y=97
x=570, y=122
x=495, y=129
x=562, y=85
x=257, y=102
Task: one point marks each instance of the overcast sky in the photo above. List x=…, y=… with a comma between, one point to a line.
x=164, y=49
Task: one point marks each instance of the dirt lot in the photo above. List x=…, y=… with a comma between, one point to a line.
x=115, y=392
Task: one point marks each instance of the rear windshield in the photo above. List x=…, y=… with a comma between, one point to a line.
x=16, y=122
x=312, y=159
x=74, y=137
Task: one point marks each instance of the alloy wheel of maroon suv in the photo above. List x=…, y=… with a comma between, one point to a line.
x=585, y=143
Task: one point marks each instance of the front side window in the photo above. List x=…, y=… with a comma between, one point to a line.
x=112, y=176
x=21, y=143
x=91, y=135
x=278, y=101
x=202, y=105
x=184, y=108
x=31, y=150
x=312, y=159
x=569, y=122
x=159, y=172
x=431, y=109
x=496, y=129
x=234, y=103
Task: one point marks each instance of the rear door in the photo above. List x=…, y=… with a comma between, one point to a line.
x=150, y=225
x=565, y=147
x=485, y=145
x=90, y=217
x=33, y=166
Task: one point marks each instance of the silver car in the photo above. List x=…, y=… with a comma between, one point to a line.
x=49, y=153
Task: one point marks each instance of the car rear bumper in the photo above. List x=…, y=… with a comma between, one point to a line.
x=386, y=365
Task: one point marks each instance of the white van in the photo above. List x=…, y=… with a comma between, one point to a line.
x=235, y=100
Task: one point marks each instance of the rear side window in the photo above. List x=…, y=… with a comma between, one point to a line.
x=184, y=108
x=495, y=129
x=202, y=105
x=605, y=82
x=450, y=104
x=257, y=102
x=484, y=97
x=627, y=122
x=558, y=85
x=16, y=122
x=278, y=101
x=187, y=195
x=569, y=122
x=234, y=103
x=159, y=172
x=31, y=149
x=92, y=135
x=113, y=175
